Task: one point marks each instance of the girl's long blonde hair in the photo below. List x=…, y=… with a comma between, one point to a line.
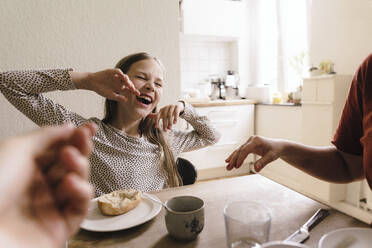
x=147, y=126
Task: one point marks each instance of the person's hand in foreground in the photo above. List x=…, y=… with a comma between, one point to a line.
x=44, y=189
x=268, y=149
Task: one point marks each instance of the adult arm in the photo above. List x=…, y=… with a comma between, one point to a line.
x=326, y=163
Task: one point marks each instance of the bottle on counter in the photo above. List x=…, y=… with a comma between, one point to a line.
x=277, y=98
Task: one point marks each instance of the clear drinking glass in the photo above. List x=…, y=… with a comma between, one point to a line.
x=247, y=224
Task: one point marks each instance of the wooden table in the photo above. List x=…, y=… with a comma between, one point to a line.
x=289, y=211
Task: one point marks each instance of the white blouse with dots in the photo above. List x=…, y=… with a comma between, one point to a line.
x=118, y=160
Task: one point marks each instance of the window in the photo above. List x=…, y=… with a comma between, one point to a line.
x=277, y=42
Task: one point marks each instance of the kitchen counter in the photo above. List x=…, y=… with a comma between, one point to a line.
x=280, y=104
x=197, y=102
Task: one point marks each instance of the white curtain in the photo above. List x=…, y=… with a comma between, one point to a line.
x=277, y=42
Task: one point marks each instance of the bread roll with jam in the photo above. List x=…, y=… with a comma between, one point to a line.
x=119, y=201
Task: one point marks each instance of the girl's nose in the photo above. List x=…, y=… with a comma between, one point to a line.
x=150, y=86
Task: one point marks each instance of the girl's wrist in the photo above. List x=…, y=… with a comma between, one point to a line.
x=80, y=79
x=183, y=106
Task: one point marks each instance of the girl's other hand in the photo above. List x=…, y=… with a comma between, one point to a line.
x=169, y=115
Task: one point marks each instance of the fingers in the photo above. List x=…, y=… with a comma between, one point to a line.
x=70, y=160
x=72, y=156
x=176, y=114
x=229, y=157
x=156, y=117
x=231, y=160
x=242, y=155
x=73, y=161
x=92, y=128
x=117, y=97
x=268, y=149
x=237, y=158
x=262, y=162
x=68, y=156
x=157, y=120
x=126, y=82
x=81, y=138
x=111, y=84
x=73, y=188
x=73, y=197
x=72, y=191
x=169, y=116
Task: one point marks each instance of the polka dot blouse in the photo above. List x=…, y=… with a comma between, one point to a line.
x=118, y=160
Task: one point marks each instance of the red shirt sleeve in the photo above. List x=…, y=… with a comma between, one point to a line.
x=354, y=132
x=350, y=128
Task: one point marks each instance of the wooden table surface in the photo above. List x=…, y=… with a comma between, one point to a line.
x=289, y=210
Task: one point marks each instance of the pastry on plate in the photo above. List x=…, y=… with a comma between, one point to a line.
x=119, y=201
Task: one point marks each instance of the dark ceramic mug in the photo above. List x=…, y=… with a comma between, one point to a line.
x=184, y=217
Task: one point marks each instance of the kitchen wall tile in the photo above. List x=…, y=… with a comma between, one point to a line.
x=199, y=59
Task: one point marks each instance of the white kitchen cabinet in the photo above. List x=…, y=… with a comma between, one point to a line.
x=305, y=125
x=284, y=122
x=212, y=17
x=235, y=123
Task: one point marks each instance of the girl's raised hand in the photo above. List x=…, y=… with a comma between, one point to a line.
x=169, y=115
x=110, y=83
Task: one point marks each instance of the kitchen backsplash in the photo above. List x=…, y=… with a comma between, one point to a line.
x=199, y=59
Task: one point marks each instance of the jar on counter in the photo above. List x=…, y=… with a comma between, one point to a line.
x=277, y=98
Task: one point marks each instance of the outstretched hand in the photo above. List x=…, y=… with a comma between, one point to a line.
x=44, y=189
x=268, y=149
x=168, y=115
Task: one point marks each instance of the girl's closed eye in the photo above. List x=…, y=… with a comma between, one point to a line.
x=158, y=84
x=141, y=77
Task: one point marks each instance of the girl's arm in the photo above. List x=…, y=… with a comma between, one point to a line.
x=204, y=134
x=24, y=90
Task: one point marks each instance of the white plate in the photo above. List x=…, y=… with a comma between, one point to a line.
x=95, y=221
x=353, y=237
x=283, y=244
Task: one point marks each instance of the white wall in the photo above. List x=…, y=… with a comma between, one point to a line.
x=87, y=35
x=341, y=32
